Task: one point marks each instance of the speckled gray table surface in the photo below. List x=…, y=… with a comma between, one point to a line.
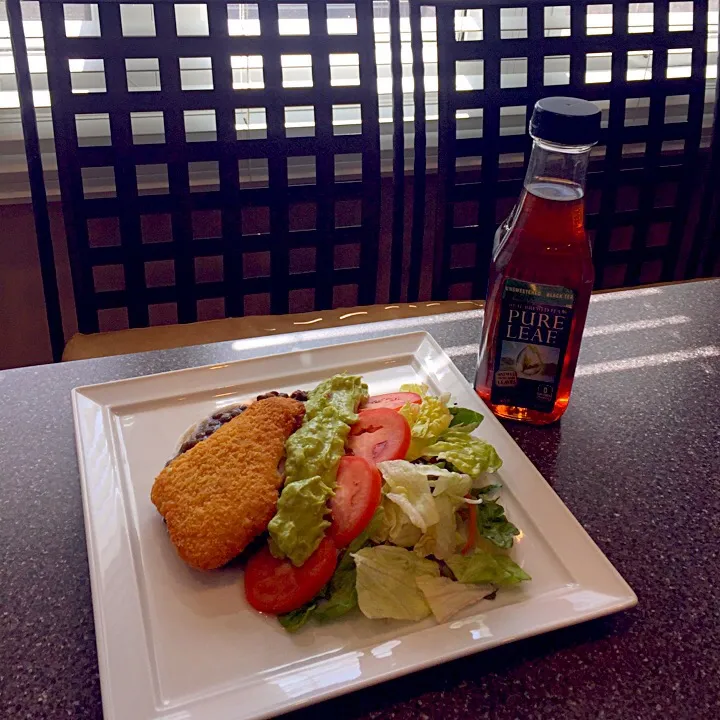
x=636, y=458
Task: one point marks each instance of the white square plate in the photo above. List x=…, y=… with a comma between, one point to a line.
x=176, y=643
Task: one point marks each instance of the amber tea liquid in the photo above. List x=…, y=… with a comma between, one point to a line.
x=541, y=273
x=544, y=243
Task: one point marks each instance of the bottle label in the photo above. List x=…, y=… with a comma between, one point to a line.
x=530, y=345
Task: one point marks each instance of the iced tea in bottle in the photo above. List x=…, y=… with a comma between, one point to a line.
x=541, y=273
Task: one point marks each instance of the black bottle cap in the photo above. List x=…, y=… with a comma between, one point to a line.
x=566, y=120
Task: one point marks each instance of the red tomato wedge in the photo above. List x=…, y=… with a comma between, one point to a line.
x=394, y=401
x=277, y=586
x=357, y=495
x=379, y=435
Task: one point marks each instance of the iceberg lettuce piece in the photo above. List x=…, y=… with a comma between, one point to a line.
x=387, y=582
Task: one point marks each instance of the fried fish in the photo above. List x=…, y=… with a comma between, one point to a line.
x=222, y=493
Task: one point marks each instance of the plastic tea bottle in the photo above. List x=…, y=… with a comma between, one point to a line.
x=541, y=273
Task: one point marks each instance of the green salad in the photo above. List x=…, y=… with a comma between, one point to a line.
x=390, y=504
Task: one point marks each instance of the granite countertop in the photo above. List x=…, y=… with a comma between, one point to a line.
x=636, y=458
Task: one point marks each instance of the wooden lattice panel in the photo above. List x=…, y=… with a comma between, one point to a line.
x=644, y=64
x=207, y=178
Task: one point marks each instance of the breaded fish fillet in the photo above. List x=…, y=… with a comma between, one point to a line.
x=222, y=493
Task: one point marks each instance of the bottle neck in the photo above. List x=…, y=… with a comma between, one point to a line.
x=557, y=172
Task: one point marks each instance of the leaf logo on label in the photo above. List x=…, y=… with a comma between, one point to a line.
x=529, y=361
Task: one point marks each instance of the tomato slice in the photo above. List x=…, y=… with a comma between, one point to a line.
x=277, y=586
x=394, y=401
x=357, y=495
x=379, y=435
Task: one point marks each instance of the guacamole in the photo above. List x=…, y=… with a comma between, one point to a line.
x=313, y=454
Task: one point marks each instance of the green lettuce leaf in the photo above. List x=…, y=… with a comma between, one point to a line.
x=386, y=582
x=465, y=419
x=295, y=619
x=432, y=421
x=483, y=567
x=363, y=538
x=410, y=412
x=427, y=421
x=420, y=389
x=340, y=595
x=485, y=490
x=493, y=525
x=447, y=597
x=466, y=453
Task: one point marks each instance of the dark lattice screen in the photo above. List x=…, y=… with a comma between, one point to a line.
x=223, y=167
x=643, y=63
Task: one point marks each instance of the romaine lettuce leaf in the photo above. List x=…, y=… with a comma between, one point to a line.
x=420, y=389
x=479, y=492
x=427, y=421
x=493, y=525
x=387, y=582
x=483, y=567
x=294, y=620
x=410, y=412
x=364, y=537
x=432, y=470
x=465, y=419
x=432, y=420
x=447, y=597
x=466, y=453
x=341, y=595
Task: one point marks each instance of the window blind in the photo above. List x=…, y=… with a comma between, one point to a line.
x=81, y=19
